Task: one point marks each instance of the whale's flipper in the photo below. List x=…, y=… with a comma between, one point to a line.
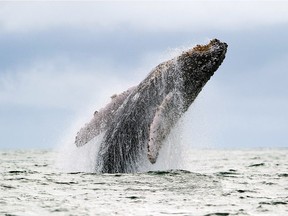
x=165, y=117
x=102, y=119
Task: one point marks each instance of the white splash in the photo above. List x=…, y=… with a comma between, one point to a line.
x=74, y=159
x=171, y=154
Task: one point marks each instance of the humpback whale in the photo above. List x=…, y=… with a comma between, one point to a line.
x=136, y=122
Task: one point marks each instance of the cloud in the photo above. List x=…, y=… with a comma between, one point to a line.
x=58, y=84
x=152, y=16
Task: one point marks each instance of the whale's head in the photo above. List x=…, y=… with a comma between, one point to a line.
x=198, y=65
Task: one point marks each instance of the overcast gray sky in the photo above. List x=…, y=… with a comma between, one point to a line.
x=60, y=61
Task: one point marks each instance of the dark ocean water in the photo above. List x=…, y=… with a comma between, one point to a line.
x=214, y=182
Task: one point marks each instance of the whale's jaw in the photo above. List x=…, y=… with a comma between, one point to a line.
x=198, y=65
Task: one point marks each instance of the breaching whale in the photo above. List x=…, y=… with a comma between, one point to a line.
x=136, y=122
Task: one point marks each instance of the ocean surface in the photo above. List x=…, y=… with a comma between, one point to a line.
x=214, y=182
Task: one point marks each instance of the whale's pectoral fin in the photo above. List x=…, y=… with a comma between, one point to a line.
x=165, y=117
x=87, y=133
x=102, y=119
